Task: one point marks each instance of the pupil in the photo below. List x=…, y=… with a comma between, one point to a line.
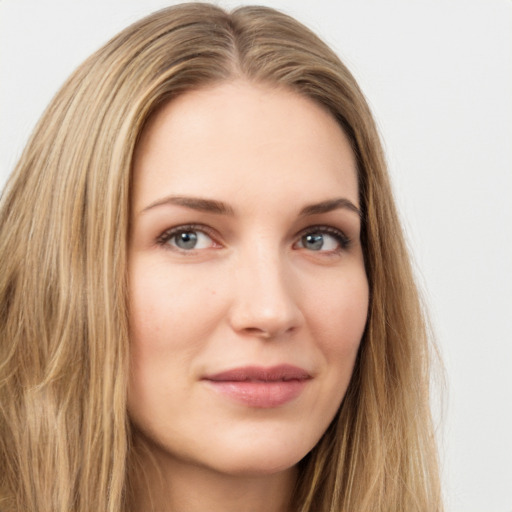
x=314, y=242
x=186, y=240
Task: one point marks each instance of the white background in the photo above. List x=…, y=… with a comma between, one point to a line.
x=438, y=75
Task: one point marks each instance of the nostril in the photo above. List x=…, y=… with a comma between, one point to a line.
x=266, y=311
x=267, y=333
x=258, y=331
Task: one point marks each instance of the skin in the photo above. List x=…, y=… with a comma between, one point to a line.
x=253, y=291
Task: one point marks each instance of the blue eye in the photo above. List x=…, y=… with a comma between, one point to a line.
x=186, y=239
x=323, y=240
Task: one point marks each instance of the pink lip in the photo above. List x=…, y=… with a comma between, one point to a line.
x=260, y=387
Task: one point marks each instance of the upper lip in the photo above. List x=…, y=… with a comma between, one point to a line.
x=282, y=372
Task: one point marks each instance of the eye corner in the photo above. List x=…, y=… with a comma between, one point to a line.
x=195, y=238
x=324, y=240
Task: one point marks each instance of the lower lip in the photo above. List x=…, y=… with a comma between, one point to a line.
x=258, y=394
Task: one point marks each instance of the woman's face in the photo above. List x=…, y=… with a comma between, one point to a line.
x=248, y=292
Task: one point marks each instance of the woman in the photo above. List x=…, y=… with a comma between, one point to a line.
x=207, y=303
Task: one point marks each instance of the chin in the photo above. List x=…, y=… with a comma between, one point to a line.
x=260, y=465
x=258, y=458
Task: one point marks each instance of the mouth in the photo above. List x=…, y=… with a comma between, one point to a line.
x=260, y=387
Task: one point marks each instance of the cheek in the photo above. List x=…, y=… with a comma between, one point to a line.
x=338, y=319
x=164, y=309
x=162, y=338
x=166, y=335
x=339, y=313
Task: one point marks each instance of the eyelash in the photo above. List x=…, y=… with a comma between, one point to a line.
x=167, y=235
x=343, y=240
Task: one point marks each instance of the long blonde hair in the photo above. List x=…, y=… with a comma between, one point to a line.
x=65, y=439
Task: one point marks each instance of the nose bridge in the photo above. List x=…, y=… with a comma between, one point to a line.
x=264, y=301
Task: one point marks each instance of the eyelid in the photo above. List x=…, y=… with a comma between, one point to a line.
x=342, y=238
x=164, y=237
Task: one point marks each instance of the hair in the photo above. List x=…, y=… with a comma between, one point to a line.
x=65, y=438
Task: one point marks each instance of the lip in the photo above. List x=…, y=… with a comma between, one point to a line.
x=258, y=386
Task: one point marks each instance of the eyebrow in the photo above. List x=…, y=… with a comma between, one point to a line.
x=194, y=203
x=221, y=208
x=329, y=206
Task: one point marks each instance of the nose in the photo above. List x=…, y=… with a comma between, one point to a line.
x=266, y=299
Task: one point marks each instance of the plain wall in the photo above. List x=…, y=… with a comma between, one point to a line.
x=438, y=75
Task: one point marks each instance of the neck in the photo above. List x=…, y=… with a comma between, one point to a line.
x=172, y=485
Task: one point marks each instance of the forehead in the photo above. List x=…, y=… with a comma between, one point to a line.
x=245, y=142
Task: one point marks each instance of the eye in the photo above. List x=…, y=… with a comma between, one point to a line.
x=186, y=238
x=323, y=239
